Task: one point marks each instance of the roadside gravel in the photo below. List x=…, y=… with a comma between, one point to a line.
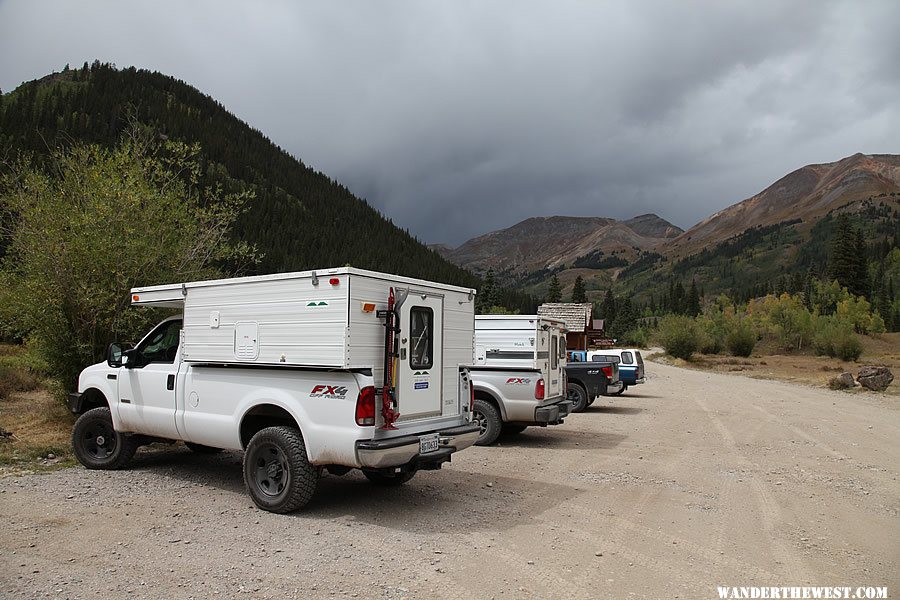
x=691, y=481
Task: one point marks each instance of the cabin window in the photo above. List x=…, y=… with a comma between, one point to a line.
x=562, y=346
x=554, y=352
x=161, y=345
x=421, y=337
x=627, y=358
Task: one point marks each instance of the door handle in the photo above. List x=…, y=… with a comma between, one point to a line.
x=170, y=382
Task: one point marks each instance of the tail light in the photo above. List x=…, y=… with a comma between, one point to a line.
x=539, y=389
x=365, y=406
x=608, y=371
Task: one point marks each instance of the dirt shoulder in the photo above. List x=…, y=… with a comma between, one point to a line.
x=883, y=350
x=694, y=480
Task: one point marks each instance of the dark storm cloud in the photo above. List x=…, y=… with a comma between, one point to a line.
x=456, y=118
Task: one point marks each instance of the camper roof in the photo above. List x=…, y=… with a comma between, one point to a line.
x=172, y=295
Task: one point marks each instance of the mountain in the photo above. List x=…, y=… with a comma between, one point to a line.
x=807, y=194
x=752, y=246
x=553, y=243
x=299, y=218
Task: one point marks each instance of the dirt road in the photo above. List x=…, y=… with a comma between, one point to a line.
x=695, y=480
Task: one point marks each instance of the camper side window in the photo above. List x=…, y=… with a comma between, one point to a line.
x=421, y=337
x=161, y=345
x=554, y=352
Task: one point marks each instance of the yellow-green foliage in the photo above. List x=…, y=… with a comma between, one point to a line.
x=96, y=223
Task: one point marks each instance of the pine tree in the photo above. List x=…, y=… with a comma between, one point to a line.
x=608, y=309
x=578, y=293
x=554, y=292
x=693, y=301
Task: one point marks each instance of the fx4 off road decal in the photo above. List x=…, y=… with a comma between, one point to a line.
x=329, y=391
x=518, y=381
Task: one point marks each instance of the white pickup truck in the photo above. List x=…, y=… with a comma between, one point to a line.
x=519, y=374
x=336, y=369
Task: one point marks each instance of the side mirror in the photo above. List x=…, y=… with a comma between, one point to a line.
x=129, y=358
x=114, y=355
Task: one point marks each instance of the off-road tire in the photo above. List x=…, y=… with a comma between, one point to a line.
x=97, y=445
x=201, y=449
x=513, y=429
x=389, y=480
x=577, y=395
x=487, y=417
x=277, y=472
x=620, y=392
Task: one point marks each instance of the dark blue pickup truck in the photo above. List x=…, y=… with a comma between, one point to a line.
x=588, y=380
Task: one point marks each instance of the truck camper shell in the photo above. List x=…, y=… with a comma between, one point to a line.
x=325, y=319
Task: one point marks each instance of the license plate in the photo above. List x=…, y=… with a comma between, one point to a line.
x=429, y=443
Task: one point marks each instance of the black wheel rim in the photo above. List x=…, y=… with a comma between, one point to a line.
x=99, y=440
x=481, y=420
x=575, y=396
x=271, y=470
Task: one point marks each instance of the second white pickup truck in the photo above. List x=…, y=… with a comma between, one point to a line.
x=331, y=370
x=519, y=374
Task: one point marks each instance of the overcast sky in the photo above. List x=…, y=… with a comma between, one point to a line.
x=455, y=118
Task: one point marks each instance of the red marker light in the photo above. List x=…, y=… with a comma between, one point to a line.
x=334, y=281
x=135, y=298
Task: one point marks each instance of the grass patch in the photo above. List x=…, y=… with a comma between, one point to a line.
x=34, y=421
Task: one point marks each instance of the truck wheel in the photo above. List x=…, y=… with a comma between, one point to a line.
x=389, y=480
x=513, y=429
x=622, y=391
x=276, y=470
x=487, y=417
x=577, y=396
x=201, y=449
x=97, y=445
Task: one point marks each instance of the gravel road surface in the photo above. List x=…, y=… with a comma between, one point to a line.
x=693, y=480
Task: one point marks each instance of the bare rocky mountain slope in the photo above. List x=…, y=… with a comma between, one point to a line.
x=807, y=193
x=552, y=242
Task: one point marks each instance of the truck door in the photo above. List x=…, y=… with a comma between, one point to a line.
x=553, y=381
x=147, y=385
x=420, y=361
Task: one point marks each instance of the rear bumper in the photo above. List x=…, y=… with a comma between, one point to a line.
x=552, y=414
x=640, y=380
x=615, y=387
x=399, y=451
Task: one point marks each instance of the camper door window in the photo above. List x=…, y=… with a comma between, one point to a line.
x=421, y=337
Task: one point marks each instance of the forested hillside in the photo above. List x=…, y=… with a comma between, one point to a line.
x=298, y=218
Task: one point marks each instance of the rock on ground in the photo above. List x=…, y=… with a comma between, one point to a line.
x=875, y=378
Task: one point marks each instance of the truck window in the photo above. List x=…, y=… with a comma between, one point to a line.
x=161, y=345
x=627, y=358
x=554, y=352
x=562, y=346
x=421, y=336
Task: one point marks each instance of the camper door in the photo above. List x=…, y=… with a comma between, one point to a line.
x=420, y=361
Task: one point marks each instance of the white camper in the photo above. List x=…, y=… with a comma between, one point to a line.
x=276, y=363
x=519, y=374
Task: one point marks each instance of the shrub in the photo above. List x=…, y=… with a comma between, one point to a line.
x=637, y=338
x=711, y=335
x=835, y=338
x=16, y=380
x=679, y=336
x=741, y=339
x=848, y=347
